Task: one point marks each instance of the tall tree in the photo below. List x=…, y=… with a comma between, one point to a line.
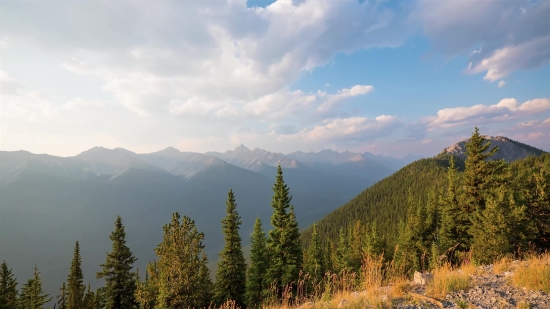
x=231, y=274
x=89, y=299
x=454, y=219
x=480, y=175
x=315, y=264
x=255, y=283
x=120, y=284
x=372, y=243
x=183, y=280
x=492, y=228
x=75, y=286
x=8, y=288
x=32, y=293
x=62, y=297
x=147, y=291
x=283, y=244
x=537, y=192
x=343, y=254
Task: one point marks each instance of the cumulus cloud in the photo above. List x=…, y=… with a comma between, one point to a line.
x=506, y=109
x=216, y=52
x=505, y=35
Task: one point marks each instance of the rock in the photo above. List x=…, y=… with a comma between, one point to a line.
x=384, y=297
x=342, y=303
x=422, y=278
x=508, y=274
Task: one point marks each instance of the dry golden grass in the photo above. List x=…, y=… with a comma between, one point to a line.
x=446, y=279
x=534, y=273
x=502, y=265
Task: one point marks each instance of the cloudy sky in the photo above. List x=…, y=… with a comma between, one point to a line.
x=385, y=76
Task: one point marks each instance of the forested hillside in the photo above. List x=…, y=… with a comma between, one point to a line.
x=386, y=201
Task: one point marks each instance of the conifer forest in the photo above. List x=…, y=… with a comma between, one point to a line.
x=438, y=210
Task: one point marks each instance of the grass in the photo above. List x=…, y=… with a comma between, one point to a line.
x=523, y=305
x=533, y=273
x=462, y=304
x=447, y=279
x=502, y=265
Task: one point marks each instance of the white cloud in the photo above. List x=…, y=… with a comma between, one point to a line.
x=505, y=35
x=332, y=100
x=506, y=109
x=501, y=84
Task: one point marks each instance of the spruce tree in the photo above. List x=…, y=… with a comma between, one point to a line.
x=492, y=228
x=372, y=243
x=120, y=285
x=283, y=243
x=356, y=243
x=315, y=264
x=183, y=278
x=8, y=288
x=231, y=275
x=147, y=291
x=454, y=219
x=255, y=283
x=32, y=293
x=62, y=297
x=75, y=286
x=480, y=174
x=538, y=203
x=89, y=299
x=343, y=253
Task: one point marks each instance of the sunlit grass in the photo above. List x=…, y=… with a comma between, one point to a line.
x=533, y=273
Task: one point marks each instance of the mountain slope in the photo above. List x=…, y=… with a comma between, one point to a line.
x=509, y=150
x=254, y=159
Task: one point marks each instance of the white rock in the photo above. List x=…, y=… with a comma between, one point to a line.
x=422, y=278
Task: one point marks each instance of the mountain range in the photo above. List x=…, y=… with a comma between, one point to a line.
x=48, y=202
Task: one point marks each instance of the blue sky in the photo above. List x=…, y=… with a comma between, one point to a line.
x=389, y=77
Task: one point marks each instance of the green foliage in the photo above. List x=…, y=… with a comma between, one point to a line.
x=314, y=264
x=343, y=254
x=75, y=286
x=283, y=244
x=147, y=291
x=8, y=288
x=183, y=278
x=255, y=283
x=120, y=285
x=231, y=275
x=32, y=295
x=372, y=243
x=62, y=297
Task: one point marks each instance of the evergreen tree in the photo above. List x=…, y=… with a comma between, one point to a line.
x=356, y=244
x=454, y=219
x=89, y=299
x=538, y=203
x=75, y=288
x=183, y=279
x=315, y=265
x=480, y=175
x=231, y=275
x=62, y=298
x=283, y=244
x=434, y=256
x=32, y=294
x=343, y=253
x=372, y=243
x=147, y=291
x=328, y=255
x=120, y=285
x=492, y=228
x=8, y=288
x=255, y=273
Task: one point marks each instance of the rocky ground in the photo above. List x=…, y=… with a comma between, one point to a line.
x=490, y=290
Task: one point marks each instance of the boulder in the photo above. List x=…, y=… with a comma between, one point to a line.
x=422, y=278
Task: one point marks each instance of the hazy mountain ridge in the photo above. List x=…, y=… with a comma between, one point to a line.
x=509, y=150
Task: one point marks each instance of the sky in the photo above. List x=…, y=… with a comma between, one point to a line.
x=385, y=76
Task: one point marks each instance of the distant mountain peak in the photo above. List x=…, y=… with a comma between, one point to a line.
x=241, y=148
x=509, y=150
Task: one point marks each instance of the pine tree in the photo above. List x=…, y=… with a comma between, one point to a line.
x=183, y=279
x=255, y=283
x=8, y=288
x=372, y=243
x=343, y=253
x=147, y=291
x=32, y=294
x=356, y=245
x=315, y=264
x=454, y=219
x=75, y=288
x=89, y=299
x=231, y=275
x=538, y=203
x=120, y=285
x=492, y=228
x=480, y=175
x=283, y=243
x=434, y=256
x=62, y=298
